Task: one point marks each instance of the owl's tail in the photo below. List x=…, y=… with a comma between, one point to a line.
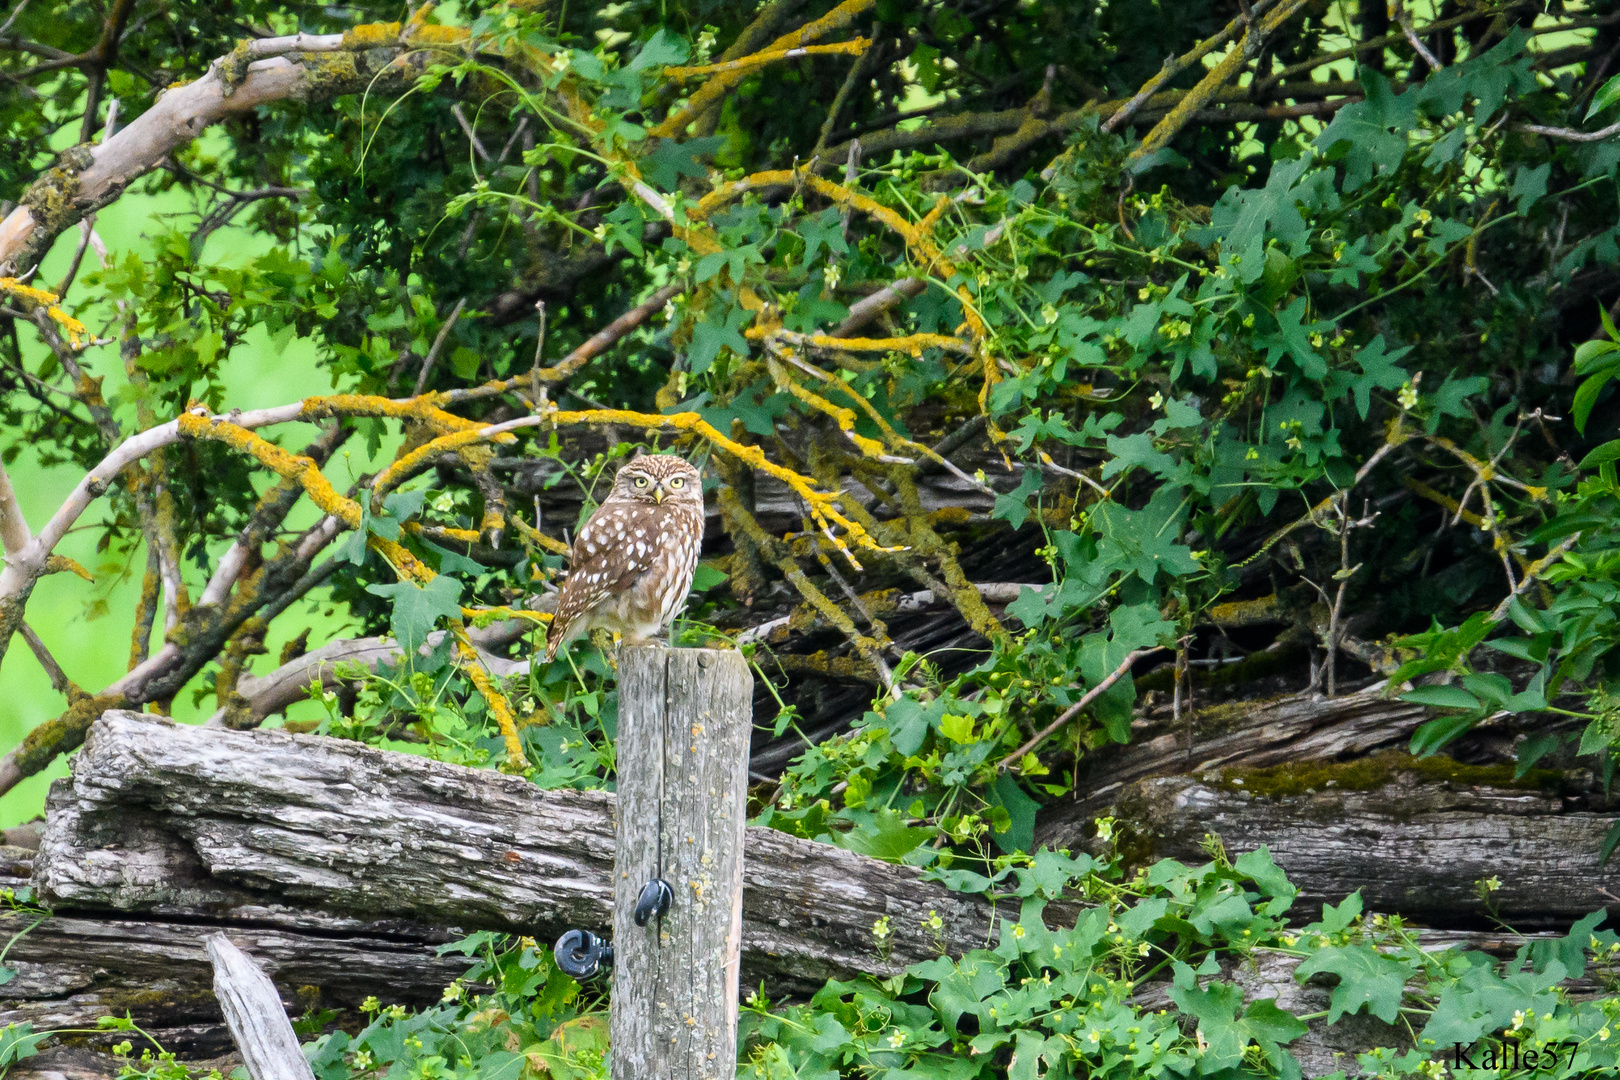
x=556, y=636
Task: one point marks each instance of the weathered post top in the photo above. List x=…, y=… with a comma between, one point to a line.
x=685, y=717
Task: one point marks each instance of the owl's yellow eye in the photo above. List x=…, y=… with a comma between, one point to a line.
x=677, y=482
x=641, y=481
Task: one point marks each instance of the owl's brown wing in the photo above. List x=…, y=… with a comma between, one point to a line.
x=617, y=545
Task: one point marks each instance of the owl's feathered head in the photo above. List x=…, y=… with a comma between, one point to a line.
x=658, y=479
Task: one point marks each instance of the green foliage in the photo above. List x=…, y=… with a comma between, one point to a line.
x=1191, y=372
x=513, y=1015
x=1145, y=978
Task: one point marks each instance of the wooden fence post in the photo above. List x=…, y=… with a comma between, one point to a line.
x=685, y=716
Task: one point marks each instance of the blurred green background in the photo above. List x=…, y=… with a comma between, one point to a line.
x=63, y=606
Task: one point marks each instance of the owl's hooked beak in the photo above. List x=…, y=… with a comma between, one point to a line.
x=658, y=494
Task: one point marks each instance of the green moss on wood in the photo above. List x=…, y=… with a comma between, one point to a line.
x=1376, y=771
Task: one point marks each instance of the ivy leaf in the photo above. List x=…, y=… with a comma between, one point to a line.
x=715, y=333
x=18, y=1041
x=885, y=835
x=1529, y=185
x=661, y=50
x=1258, y=866
x=452, y=563
x=1378, y=370
x=826, y=229
x=1144, y=541
x=1013, y=507
x=671, y=160
x=1367, y=978
x=1215, y=1008
x=418, y=608
x=1019, y=835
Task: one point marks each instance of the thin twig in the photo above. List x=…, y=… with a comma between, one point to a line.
x=1405, y=22
x=438, y=343
x=472, y=136
x=1570, y=134
x=1174, y=65
x=1086, y=699
x=59, y=680
x=11, y=19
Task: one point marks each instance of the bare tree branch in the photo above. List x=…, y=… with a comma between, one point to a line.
x=89, y=177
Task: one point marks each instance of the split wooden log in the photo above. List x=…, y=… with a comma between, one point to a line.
x=1415, y=835
x=1248, y=734
x=308, y=833
x=73, y=970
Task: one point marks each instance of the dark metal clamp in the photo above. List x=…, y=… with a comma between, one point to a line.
x=581, y=954
x=656, y=896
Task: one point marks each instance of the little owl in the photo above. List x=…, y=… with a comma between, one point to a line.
x=632, y=563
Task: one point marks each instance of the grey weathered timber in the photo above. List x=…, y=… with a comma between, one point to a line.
x=1252, y=734
x=684, y=726
x=71, y=971
x=1413, y=839
x=296, y=832
x=254, y=1015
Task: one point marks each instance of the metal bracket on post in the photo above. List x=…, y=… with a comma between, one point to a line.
x=654, y=901
x=580, y=954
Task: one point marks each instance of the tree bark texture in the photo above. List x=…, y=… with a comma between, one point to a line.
x=301, y=832
x=1414, y=835
x=685, y=720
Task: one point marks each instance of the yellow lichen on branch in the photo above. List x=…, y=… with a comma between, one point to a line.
x=425, y=409
x=32, y=299
x=302, y=470
x=911, y=344
x=307, y=474
x=852, y=47
x=499, y=706
x=406, y=464
x=819, y=503
x=716, y=88
x=844, y=418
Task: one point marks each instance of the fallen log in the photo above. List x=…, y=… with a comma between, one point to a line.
x=1247, y=734
x=304, y=833
x=1415, y=835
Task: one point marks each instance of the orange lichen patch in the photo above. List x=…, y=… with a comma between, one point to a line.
x=852, y=47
